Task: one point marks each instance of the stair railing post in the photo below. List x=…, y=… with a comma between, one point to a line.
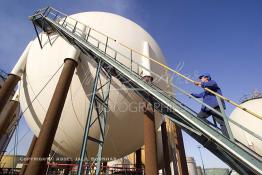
x=222, y=110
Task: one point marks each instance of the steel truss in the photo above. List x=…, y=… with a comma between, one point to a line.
x=99, y=100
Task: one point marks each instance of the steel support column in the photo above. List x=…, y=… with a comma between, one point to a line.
x=165, y=149
x=7, y=117
x=150, y=137
x=172, y=143
x=139, y=159
x=180, y=150
x=46, y=136
x=28, y=155
x=7, y=89
x=150, y=143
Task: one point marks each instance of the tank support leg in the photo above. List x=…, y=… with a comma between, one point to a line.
x=165, y=149
x=139, y=161
x=99, y=100
x=28, y=155
x=8, y=123
x=8, y=117
x=47, y=133
x=150, y=143
x=150, y=136
x=7, y=89
x=180, y=150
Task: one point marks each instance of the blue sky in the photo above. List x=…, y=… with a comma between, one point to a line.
x=223, y=37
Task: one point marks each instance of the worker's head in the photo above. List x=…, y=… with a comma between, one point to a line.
x=205, y=77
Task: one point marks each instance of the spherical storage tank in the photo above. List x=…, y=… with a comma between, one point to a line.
x=124, y=131
x=250, y=122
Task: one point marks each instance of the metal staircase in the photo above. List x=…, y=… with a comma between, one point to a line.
x=228, y=150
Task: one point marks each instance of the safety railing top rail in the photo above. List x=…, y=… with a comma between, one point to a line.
x=67, y=21
x=48, y=10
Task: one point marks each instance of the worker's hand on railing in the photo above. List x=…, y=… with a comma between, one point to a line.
x=197, y=83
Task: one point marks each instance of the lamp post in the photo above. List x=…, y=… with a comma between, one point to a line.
x=204, y=171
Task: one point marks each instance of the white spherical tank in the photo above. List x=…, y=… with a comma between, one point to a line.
x=124, y=131
x=250, y=122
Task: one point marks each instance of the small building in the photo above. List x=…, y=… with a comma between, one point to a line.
x=11, y=161
x=216, y=171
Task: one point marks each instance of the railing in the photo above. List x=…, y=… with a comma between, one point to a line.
x=116, y=168
x=123, y=54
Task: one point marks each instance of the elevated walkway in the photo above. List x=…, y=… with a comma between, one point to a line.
x=229, y=150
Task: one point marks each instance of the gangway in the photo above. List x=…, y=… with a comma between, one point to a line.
x=229, y=150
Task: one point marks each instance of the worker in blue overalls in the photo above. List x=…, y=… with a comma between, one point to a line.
x=211, y=100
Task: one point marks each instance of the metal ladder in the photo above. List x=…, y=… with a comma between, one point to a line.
x=230, y=151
